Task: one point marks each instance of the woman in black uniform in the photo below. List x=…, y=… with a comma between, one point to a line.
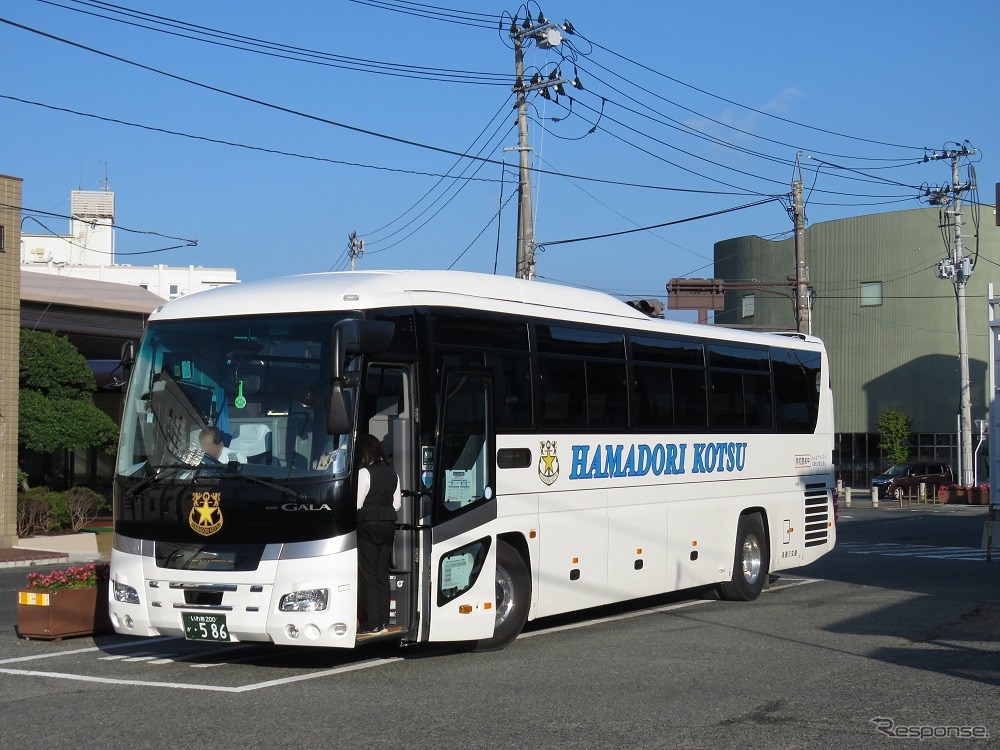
x=378, y=501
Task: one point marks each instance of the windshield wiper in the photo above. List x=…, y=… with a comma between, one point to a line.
x=161, y=473
x=229, y=471
x=233, y=473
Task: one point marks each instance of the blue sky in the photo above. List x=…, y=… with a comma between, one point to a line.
x=686, y=109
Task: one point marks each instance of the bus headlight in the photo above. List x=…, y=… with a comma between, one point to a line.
x=309, y=600
x=125, y=594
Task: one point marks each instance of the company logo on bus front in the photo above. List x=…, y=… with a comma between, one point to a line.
x=206, y=515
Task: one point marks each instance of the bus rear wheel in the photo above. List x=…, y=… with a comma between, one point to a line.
x=513, y=594
x=751, y=562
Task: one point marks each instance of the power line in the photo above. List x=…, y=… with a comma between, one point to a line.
x=461, y=187
x=434, y=12
x=744, y=106
x=499, y=112
x=234, y=144
x=345, y=126
x=208, y=35
x=495, y=217
x=189, y=243
x=542, y=245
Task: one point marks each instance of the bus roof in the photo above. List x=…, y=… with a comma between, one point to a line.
x=360, y=290
x=353, y=290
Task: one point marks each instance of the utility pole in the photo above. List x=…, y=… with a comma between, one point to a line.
x=546, y=35
x=803, y=314
x=356, y=247
x=525, y=268
x=958, y=269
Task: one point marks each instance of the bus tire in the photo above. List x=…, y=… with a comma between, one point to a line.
x=750, y=565
x=513, y=597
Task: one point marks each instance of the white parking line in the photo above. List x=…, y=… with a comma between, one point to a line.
x=924, y=551
x=170, y=658
x=175, y=657
x=110, y=647
x=787, y=583
x=211, y=688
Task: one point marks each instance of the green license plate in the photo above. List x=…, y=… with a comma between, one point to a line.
x=205, y=627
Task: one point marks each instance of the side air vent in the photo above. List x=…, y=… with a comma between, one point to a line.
x=817, y=499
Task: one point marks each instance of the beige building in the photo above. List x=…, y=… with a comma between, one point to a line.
x=10, y=294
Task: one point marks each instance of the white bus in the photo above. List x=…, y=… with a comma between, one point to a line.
x=557, y=449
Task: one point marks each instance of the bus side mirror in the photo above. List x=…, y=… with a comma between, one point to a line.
x=124, y=368
x=338, y=420
x=350, y=338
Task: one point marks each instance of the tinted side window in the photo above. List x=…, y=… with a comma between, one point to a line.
x=726, y=402
x=690, y=402
x=562, y=398
x=579, y=342
x=732, y=356
x=796, y=386
x=512, y=378
x=480, y=333
x=668, y=350
x=607, y=395
x=654, y=397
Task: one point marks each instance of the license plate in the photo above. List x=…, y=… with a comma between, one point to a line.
x=204, y=627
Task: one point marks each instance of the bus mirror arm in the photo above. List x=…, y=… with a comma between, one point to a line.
x=352, y=337
x=414, y=493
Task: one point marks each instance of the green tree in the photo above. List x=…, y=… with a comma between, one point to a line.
x=57, y=407
x=894, y=436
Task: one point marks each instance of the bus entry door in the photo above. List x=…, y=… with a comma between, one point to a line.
x=463, y=536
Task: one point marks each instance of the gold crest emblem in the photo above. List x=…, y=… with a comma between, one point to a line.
x=206, y=515
x=548, y=462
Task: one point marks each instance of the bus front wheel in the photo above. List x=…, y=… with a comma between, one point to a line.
x=751, y=563
x=513, y=595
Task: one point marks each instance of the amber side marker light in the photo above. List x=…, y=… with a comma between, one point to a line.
x=465, y=609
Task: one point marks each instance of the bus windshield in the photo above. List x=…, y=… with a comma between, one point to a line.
x=245, y=392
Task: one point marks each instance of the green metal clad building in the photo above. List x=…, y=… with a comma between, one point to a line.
x=888, y=321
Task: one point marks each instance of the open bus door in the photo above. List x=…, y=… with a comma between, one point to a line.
x=463, y=554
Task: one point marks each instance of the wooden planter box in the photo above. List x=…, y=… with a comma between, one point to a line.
x=964, y=496
x=63, y=613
